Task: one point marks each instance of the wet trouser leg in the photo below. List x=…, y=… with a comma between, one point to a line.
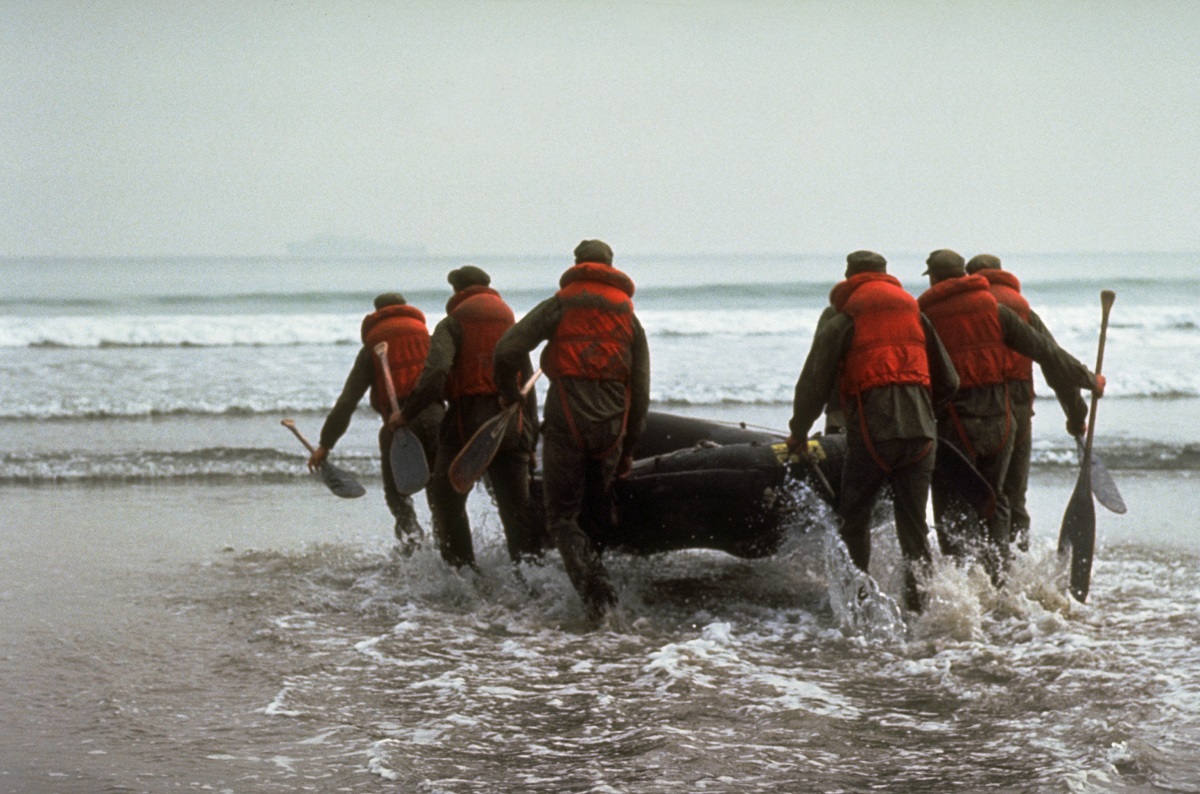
x=425, y=427
x=862, y=477
x=861, y=480
x=451, y=527
x=509, y=473
x=574, y=481
x=408, y=529
x=1016, y=480
x=996, y=553
x=961, y=533
x=910, y=496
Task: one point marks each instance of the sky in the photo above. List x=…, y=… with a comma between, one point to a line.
x=214, y=128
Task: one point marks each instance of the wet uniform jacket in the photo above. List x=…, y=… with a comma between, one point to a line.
x=460, y=365
x=403, y=328
x=902, y=409
x=889, y=348
x=963, y=311
x=1007, y=290
x=597, y=356
x=989, y=400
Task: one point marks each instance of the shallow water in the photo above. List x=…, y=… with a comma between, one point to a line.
x=182, y=607
x=222, y=638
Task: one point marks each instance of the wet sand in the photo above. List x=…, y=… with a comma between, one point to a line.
x=98, y=620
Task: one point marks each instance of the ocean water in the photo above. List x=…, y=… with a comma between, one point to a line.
x=183, y=606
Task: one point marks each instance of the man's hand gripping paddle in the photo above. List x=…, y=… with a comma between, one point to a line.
x=410, y=469
x=1078, y=533
x=477, y=454
x=340, y=481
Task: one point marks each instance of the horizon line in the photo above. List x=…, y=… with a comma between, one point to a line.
x=566, y=254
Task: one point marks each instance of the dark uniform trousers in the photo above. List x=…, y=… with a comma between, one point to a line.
x=960, y=532
x=508, y=476
x=579, y=471
x=425, y=428
x=909, y=465
x=1016, y=479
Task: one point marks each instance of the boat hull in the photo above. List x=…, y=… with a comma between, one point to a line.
x=699, y=484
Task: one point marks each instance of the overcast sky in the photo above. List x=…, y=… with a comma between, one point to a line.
x=145, y=128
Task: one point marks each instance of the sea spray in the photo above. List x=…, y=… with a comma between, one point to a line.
x=859, y=606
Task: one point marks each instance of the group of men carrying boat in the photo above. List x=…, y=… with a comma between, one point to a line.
x=598, y=363
x=891, y=371
x=902, y=372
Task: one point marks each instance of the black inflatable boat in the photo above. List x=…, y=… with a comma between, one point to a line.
x=697, y=483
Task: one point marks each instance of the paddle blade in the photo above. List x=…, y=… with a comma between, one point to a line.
x=410, y=469
x=340, y=481
x=1103, y=487
x=477, y=454
x=1078, y=535
x=953, y=467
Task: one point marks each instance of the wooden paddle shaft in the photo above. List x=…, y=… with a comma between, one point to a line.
x=1107, y=297
x=290, y=424
x=532, y=380
x=381, y=350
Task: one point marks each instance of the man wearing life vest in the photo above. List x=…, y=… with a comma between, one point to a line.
x=979, y=334
x=598, y=364
x=1007, y=290
x=403, y=328
x=459, y=367
x=891, y=372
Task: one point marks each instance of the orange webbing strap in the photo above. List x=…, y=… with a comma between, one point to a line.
x=968, y=447
x=562, y=393
x=875, y=456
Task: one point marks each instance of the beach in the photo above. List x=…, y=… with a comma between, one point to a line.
x=182, y=606
x=212, y=637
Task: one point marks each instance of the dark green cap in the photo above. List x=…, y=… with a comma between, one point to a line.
x=389, y=299
x=593, y=251
x=468, y=276
x=983, y=262
x=865, y=262
x=944, y=263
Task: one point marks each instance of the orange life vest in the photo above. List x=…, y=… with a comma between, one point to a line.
x=1007, y=290
x=594, y=338
x=403, y=328
x=888, y=347
x=484, y=317
x=964, y=313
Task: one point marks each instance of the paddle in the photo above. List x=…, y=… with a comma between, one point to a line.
x=1078, y=532
x=476, y=455
x=1103, y=487
x=410, y=469
x=340, y=481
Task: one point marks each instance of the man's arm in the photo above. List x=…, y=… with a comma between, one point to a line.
x=943, y=378
x=1057, y=364
x=431, y=385
x=513, y=349
x=639, y=388
x=817, y=379
x=1074, y=406
x=360, y=379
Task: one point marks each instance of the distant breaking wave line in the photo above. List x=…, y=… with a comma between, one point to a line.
x=217, y=465
x=772, y=397
x=111, y=344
